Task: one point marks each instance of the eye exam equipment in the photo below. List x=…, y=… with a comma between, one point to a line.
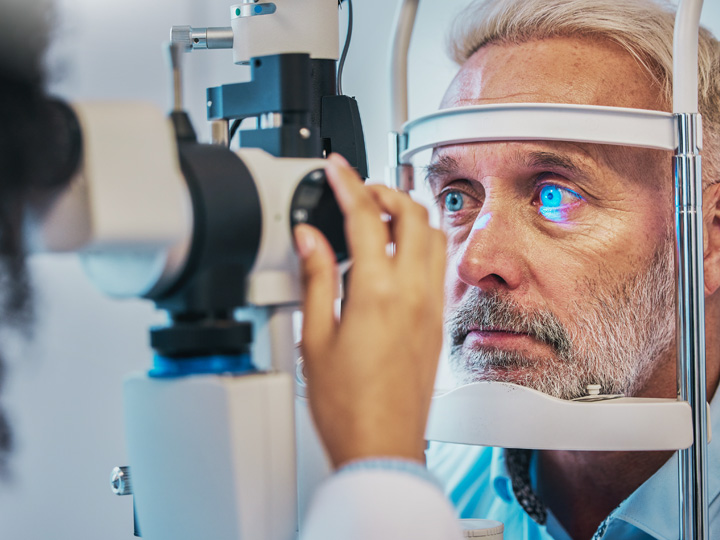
x=210, y=428
x=205, y=232
x=578, y=425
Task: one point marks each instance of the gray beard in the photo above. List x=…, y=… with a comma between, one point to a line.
x=616, y=334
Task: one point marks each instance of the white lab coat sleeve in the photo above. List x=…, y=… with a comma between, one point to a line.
x=378, y=505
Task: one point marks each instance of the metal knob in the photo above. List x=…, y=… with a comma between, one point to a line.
x=120, y=481
x=182, y=35
x=190, y=38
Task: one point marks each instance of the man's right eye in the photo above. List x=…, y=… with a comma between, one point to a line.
x=454, y=201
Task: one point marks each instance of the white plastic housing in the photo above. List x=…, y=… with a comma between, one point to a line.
x=127, y=211
x=212, y=456
x=539, y=121
x=685, y=56
x=512, y=416
x=275, y=277
x=307, y=26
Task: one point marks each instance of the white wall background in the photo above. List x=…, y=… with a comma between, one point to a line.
x=64, y=395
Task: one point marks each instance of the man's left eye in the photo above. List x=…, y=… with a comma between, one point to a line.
x=554, y=201
x=555, y=197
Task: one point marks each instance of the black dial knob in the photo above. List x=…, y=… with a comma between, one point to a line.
x=314, y=203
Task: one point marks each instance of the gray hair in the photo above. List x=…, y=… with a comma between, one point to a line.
x=644, y=28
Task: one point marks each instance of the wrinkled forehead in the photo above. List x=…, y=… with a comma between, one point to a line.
x=575, y=71
x=579, y=71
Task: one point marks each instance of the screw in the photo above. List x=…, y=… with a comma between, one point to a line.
x=317, y=176
x=300, y=215
x=120, y=481
x=305, y=133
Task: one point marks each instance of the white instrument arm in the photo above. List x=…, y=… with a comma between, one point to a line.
x=127, y=211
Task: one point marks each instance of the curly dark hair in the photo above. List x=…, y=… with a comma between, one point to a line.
x=31, y=153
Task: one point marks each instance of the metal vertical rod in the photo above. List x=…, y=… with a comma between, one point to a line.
x=220, y=132
x=400, y=176
x=175, y=52
x=284, y=352
x=691, y=325
x=399, y=51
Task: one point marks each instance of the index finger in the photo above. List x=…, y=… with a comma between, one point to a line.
x=367, y=234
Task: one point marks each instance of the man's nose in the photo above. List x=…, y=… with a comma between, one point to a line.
x=490, y=257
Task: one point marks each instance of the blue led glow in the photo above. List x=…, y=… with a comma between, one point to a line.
x=553, y=214
x=550, y=196
x=258, y=9
x=555, y=202
x=235, y=364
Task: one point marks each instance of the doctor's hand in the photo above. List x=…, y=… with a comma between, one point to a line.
x=371, y=374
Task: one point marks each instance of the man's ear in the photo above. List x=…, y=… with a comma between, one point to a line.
x=711, y=238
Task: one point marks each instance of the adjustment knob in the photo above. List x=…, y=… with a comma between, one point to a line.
x=314, y=203
x=182, y=35
x=190, y=38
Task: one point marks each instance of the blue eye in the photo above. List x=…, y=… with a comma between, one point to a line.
x=550, y=196
x=454, y=201
x=554, y=202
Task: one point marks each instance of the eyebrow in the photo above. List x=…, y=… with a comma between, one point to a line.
x=447, y=165
x=443, y=166
x=539, y=160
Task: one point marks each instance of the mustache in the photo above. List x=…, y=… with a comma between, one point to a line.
x=497, y=311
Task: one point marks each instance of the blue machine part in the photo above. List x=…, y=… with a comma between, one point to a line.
x=164, y=367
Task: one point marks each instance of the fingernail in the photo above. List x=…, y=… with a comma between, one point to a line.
x=339, y=159
x=335, y=179
x=305, y=240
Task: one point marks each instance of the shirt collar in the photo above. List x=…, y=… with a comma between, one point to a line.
x=654, y=507
x=500, y=476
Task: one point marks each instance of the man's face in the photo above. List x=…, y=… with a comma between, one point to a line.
x=560, y=254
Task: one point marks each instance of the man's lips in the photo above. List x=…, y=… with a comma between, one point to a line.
x=500, y=338
x=488, y=329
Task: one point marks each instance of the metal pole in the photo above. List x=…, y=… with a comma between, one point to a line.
x=691, y=325
x=400, y=176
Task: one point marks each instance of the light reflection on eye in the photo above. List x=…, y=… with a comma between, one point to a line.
x=554, y=202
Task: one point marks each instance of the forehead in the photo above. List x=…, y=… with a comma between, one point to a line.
x=580, y=71
x=557, y=70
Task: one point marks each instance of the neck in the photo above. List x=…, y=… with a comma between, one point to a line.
x=582, y=488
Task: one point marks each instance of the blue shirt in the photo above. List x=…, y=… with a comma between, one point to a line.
x=477, y=482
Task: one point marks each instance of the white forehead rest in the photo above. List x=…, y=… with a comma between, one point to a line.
x=539, y=121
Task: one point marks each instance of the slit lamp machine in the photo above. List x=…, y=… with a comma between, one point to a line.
x=210, y=243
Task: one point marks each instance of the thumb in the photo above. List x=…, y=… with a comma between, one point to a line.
x=319, y=282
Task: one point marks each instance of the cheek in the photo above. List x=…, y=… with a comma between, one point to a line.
x=454, y=286
x=559, y=280
x=567, y=276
